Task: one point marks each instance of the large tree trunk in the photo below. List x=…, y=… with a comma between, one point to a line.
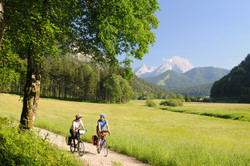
x=31, y=92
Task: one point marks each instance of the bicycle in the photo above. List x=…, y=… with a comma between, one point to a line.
x=104, y=143
x=79, y=144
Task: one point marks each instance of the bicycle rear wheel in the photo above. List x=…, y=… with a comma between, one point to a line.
x=81, y=148
x=105, y=148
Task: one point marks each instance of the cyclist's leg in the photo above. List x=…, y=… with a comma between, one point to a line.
x=99, y=139
x=73, y=136
x=77, y=137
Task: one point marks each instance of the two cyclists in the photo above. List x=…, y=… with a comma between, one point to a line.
x=78, y=124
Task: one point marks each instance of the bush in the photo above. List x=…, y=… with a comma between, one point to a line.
x=172, y=102
x=164, y=102
x=27, y=148
x=150, y=103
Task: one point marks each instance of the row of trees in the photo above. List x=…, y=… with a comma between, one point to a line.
x=75, y=80
x=71, y=79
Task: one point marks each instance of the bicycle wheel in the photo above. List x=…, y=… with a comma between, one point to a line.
x=81, y=148
x=105, y=148
x=72, y=148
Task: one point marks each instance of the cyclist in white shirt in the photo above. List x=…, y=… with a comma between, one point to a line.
x=76, y=125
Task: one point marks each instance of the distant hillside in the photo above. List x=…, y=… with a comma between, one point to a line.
x=197, y=81
x=236, y=85
x=198, y=90
x=143, y=88
x=171, y=79
x=204, y=75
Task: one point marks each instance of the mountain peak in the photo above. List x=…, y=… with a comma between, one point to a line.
x=175, y=63
x=143, y=69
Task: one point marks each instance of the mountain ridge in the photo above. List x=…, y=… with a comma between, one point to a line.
x=175, y=63
x=178, y=82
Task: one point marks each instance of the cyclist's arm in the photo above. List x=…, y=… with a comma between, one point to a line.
x=82, y=125
x=108, y=128
x=74, y=127
x=99, y=128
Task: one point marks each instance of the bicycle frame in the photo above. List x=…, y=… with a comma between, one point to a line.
x=80, y=145
x=103, y=143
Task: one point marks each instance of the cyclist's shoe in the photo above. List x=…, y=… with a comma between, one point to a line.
x=98, y=150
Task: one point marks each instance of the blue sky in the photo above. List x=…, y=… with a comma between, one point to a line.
x=206, y=32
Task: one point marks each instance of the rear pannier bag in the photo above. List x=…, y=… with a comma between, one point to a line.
x=94, y=140
x=68, y=140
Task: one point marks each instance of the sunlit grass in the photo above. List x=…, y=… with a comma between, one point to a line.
x=221, y=110
x=152, y=135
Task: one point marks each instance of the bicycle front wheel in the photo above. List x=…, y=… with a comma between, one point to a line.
x=105, y=148
x=81, y=148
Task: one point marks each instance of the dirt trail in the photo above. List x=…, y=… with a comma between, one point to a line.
x=91, y=158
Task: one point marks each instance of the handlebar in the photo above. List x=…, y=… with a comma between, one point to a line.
x=82, y=131
x=104, y=132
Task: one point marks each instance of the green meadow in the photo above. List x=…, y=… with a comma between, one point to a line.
x=152, y=135
x=220, y=110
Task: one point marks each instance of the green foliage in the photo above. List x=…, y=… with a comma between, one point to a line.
x=117, y=89
x=71, y=79
x=27, y=148
x=150, y=103
x=143, y=89
x=172, y=102
x=11, y=67
x=236, y=85
x=120, y=27
x=179, y=96
x=100, y=29
x=187, y=98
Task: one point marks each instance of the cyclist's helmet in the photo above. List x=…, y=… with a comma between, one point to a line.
x=103, y=115
x=78, y=116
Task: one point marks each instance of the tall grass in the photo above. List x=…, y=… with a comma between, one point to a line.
x=27, y=148
x=152, y=135
x=219, y=110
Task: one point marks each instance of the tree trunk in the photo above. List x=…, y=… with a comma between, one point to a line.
x=31, y=92
x=1, y=21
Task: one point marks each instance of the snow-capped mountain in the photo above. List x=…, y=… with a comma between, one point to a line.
x=175, y=63
x=143, y=69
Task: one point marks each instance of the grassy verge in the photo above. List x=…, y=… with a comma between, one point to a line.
x=152, y=135
x=27, y=148
x=219, y=110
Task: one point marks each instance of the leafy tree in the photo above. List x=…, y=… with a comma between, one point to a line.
x=127, y=91
x=112, y=88
x=179, y=96
x=187, y=98
x=98, y=28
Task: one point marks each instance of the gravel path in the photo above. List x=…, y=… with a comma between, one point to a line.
x=91, y=158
